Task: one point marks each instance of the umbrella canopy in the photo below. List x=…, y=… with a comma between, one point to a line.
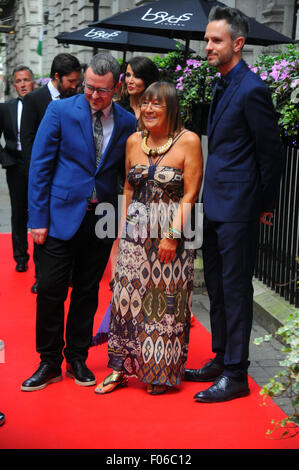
x=183, y=19
x=118, y=40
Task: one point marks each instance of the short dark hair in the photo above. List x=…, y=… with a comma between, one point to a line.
x=165, y=91
x=21, y=68
x=64, y=64
x=144, y=68
x=103, y=63
x=237, y=21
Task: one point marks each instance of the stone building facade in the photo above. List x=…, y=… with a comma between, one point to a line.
x=56, y=16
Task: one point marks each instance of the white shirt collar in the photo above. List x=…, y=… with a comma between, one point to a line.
x=106, y=112
x=55, y=95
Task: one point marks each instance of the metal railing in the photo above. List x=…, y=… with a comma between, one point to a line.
x=277, y=263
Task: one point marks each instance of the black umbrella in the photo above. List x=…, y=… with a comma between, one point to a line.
x=118, y=40
x=183, y=19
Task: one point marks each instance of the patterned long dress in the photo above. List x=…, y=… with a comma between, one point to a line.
x=151, y=303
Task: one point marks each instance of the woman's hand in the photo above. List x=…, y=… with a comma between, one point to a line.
x=167, y=250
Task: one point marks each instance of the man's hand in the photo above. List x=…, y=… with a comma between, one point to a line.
x=266, y=217
x=39, y=235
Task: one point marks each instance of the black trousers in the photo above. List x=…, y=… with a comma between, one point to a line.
x=36, y=259
x=87, y=256
x=229, y=253
x=17, y=182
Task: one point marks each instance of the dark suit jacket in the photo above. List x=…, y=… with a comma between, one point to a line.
x=34, y=108
x=63, y=169
x=245, y=152
x=8, y=127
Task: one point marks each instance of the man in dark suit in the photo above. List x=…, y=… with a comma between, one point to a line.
x=240, y=189
x=76, y=158
x=12, y=159
x=65, y=76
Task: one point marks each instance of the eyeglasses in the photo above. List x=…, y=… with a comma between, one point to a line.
x=155, y=106
x=89, y=89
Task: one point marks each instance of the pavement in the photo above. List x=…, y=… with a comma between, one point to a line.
x=270, y=311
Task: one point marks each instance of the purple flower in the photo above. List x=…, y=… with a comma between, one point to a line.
x=194, y=63
x=275, y=74
x=284, y=75
x=42, y=81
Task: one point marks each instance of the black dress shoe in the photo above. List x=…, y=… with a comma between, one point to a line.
x=34, y=288
x=44, y=375
x=21, y=267
x=224, y=389
x=208, y=373
x=2, y=418
x=78, y=370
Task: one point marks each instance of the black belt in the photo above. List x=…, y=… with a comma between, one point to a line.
x=92, y=206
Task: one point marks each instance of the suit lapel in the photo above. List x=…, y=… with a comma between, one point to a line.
x=227, y=97
x=86, y=127
x=211, y=111
x=13, y=109
x=111, y=140
x=84, y=114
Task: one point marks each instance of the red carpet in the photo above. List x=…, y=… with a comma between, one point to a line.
x=67, y=416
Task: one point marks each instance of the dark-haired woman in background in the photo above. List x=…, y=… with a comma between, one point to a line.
x=152, y=294
x=140, y=73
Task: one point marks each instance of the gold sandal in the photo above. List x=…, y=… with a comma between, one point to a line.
x=118, y=379
x=156, y=389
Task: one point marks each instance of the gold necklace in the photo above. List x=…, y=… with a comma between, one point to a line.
x=157, y=151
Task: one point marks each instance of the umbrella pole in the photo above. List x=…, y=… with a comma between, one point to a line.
x=187, y=45
x=96, y=6
x=124, y=60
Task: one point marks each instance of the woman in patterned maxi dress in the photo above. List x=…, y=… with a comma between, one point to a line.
x=152, y=295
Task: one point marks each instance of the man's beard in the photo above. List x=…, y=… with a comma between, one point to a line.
x=218, y=61
x=66, y=93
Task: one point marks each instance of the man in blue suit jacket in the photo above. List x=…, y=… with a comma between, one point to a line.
x=240, y=188
x=67, y=180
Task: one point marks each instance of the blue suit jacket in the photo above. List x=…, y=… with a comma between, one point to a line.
x=245, y=152
x=63, y=168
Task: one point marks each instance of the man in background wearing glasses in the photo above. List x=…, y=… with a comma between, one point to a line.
x=76, y=159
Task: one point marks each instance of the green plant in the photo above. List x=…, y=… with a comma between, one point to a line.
x=195, y=80
x=286, y=382
x=281, y=74
x=41, y=81
x=168, y=63
x=193, y=77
